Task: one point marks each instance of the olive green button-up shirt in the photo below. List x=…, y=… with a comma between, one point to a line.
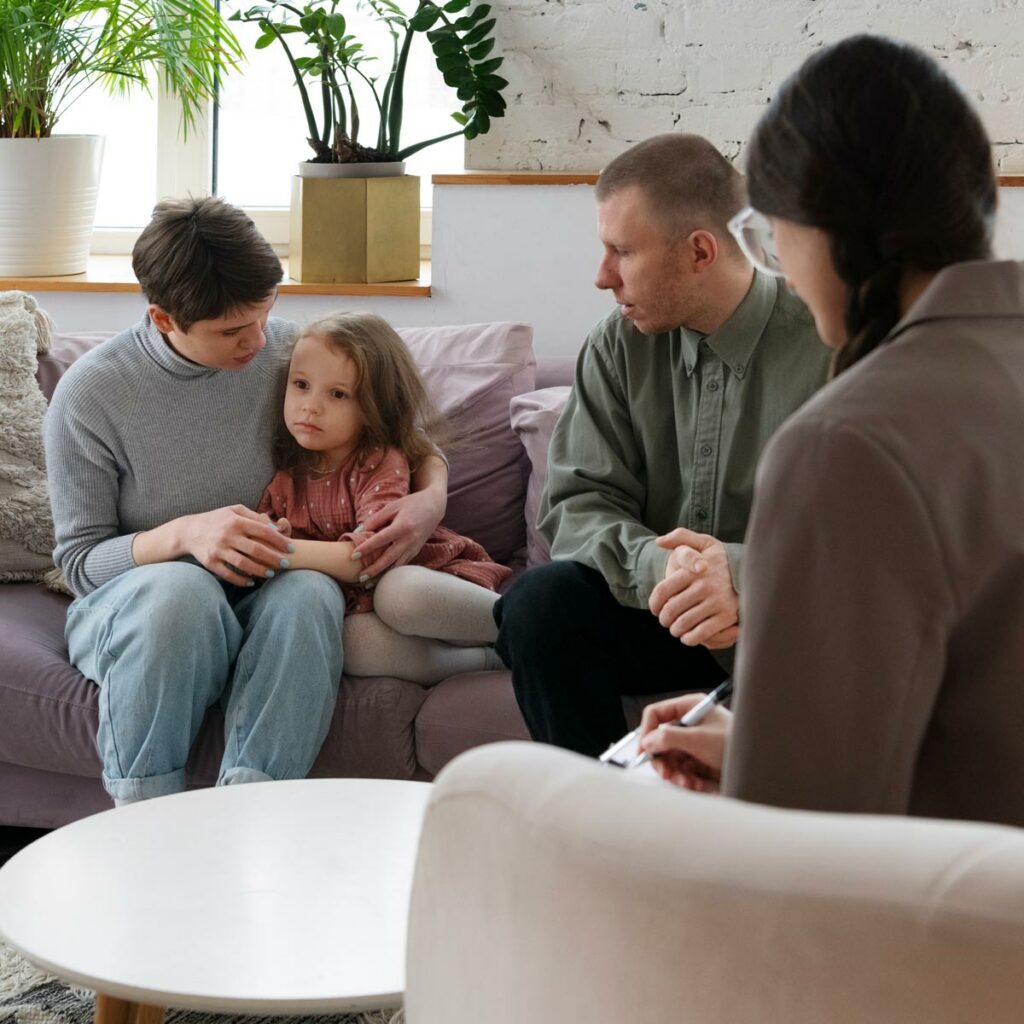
x=665, y=430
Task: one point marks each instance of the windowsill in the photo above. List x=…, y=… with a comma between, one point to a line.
x=584, y=178
x=517, y=178
x=114, y=274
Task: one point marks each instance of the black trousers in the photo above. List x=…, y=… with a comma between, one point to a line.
x=574, y=651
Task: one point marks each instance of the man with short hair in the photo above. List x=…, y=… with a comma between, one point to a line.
x=676, y=393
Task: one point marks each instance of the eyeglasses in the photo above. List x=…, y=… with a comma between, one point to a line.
x=753, y=231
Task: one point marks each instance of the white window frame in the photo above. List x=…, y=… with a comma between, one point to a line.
x=186, y=168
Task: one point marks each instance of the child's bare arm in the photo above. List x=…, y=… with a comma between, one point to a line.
x=332, y=557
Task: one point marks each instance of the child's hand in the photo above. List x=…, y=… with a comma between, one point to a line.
x=282, y=525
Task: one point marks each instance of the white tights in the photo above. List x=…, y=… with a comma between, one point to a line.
x=426, y=625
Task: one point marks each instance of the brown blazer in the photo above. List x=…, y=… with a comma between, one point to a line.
x=881, y=661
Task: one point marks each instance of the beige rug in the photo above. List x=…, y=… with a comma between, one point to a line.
x=31, y=996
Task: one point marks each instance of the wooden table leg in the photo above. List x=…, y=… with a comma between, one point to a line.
x=117, y=1011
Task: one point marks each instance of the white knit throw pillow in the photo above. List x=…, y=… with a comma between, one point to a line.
x=26, y=522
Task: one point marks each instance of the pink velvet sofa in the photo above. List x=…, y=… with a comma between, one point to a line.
x=383, y=727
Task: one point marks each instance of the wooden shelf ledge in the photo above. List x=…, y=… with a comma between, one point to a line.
x=583, y=178
x=114, y=274
x=517, y=178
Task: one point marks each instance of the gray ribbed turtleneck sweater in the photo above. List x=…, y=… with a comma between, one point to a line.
x=136, y=436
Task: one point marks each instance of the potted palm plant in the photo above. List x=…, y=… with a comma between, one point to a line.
x=338, y=80
x=51, y=53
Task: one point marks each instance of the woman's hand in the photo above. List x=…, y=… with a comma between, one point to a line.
x=690, y=757
x=399, y=530
x=234, y=543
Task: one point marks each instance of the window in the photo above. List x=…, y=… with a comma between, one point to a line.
x=261, y=138
x=262, y=130
x=128, y=184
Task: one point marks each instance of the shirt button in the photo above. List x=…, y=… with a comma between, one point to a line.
x=702, y=514
x=706, y=449
x=740, y=367
x=712, y=385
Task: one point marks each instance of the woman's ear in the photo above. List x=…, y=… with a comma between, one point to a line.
x=161, y=319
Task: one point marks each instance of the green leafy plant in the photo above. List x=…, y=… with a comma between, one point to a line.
x=333, y=63
x=53, y=51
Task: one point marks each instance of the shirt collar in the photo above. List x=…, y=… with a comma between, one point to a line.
x=734, y=342
x=977, y=288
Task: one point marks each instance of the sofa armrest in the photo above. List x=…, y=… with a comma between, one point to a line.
x=549, y=888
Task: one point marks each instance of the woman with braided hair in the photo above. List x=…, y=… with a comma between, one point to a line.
x=881, y=658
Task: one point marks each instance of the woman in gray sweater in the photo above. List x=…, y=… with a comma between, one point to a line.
x=158, y=447
x=881, y=649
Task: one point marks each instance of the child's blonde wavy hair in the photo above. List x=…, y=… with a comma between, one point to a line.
x=389, y=390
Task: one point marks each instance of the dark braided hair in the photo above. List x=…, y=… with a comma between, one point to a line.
x=873, y=143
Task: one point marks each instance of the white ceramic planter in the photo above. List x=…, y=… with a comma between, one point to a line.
x=48, y=190
x=392, y=169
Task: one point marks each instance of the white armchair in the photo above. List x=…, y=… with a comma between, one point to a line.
x=551, y=889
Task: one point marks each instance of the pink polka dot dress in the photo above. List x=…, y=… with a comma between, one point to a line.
x=329, y=508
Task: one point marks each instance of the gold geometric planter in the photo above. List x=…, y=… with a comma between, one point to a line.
x=359, y=230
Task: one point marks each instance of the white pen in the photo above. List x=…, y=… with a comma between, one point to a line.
x=695, y=715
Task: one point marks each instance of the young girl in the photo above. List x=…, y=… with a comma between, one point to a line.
x=356, y=421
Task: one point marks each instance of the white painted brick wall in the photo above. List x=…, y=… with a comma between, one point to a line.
x=588, y=78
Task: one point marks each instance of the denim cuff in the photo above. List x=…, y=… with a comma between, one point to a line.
x=236, y=776
x=145, y=788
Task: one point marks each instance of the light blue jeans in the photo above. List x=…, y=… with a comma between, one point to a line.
x=165, y=642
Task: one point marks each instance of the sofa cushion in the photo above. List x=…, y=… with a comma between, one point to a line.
x=371, y=734
x=475, y=708
x=533, y=418
x=473, y=373
x=31, y=798
x=66, y=348
x=466, y=711
x=555, y=371
x=48, y=710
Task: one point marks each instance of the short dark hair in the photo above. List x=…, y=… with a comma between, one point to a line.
x=871, y=141
x=686, y=181
x=200, y=259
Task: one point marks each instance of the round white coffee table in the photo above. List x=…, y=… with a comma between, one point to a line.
x=271, y=898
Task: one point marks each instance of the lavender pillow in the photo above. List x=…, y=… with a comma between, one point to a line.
x=534, y=416
x=472, y=373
